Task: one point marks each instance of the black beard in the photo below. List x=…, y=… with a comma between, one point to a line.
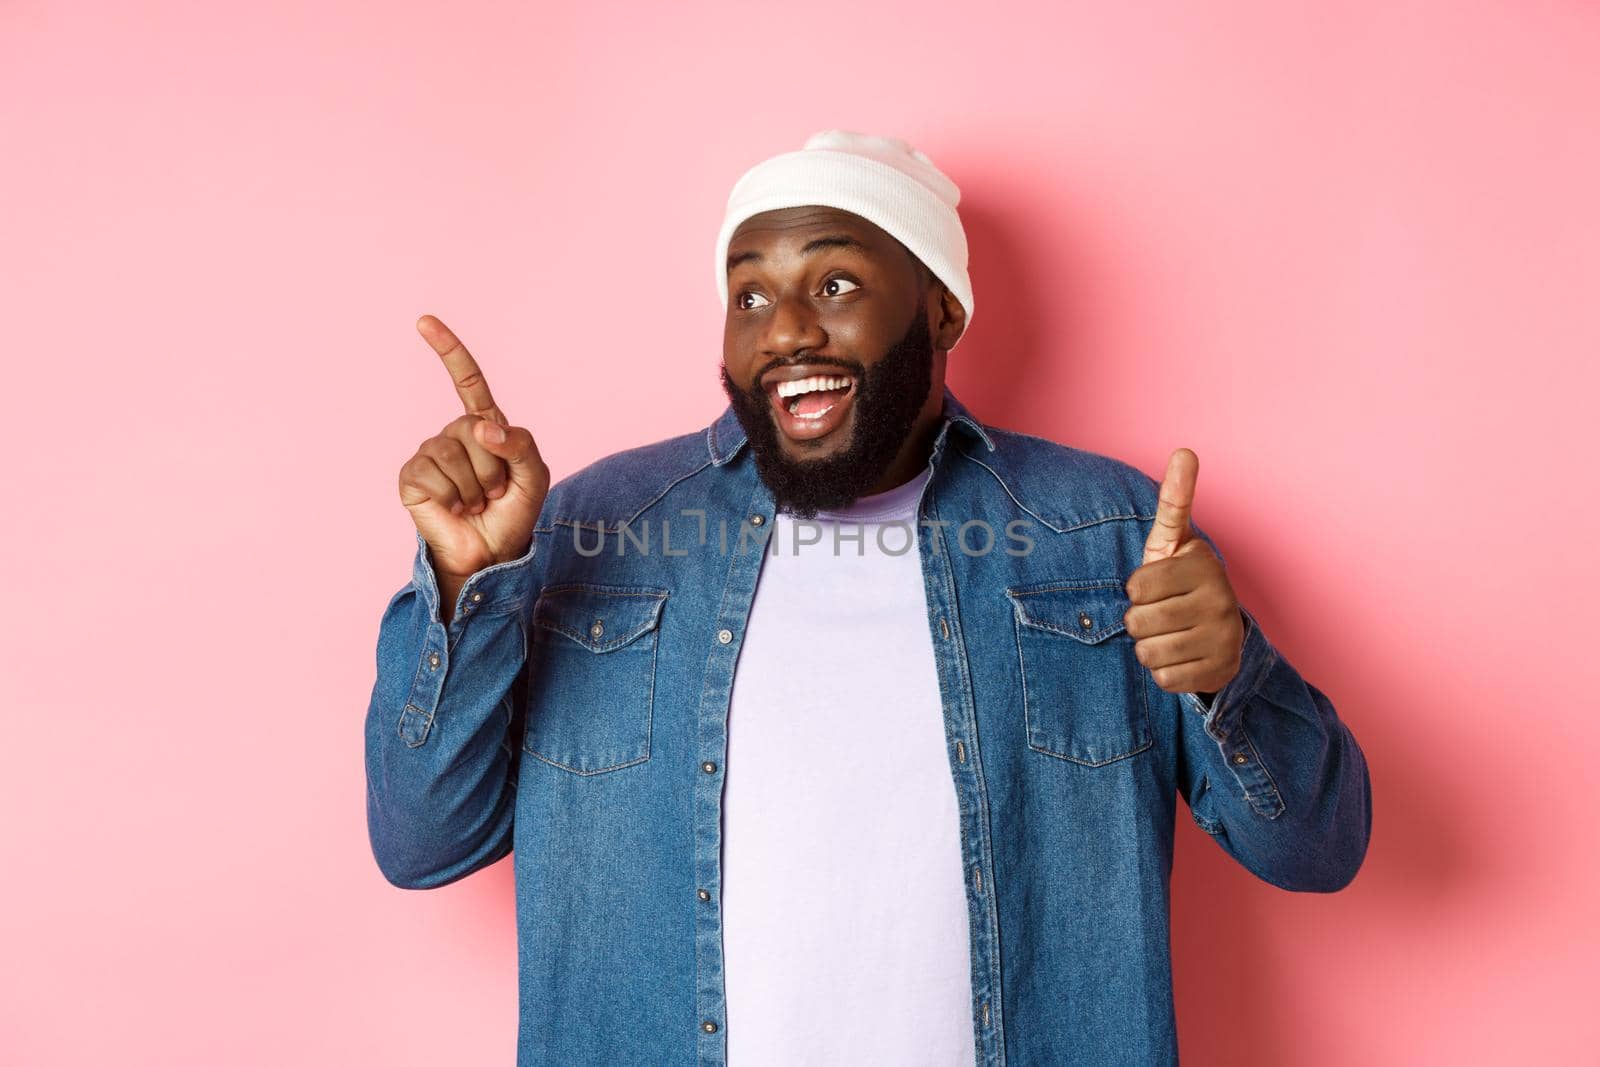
x=889, y=396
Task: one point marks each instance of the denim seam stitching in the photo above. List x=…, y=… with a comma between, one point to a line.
x=651, y=624
x=600, y=525
x=1268, y=659
x=649, y=725
x=1054, y=526
x=1015, y=593
x=1027, y=705
x=713, y=445
x=1272, y=793
x=416, y=677
x=602, y=647
x=653, y=501
x=608, y=590
x=425, y=730
x=982, y=815
x=573, y=770
x=654, y=620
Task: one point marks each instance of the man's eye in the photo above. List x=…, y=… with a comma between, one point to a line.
x=838, y=281
x=748, y=307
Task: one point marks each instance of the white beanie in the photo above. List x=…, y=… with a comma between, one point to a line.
x=882, y=179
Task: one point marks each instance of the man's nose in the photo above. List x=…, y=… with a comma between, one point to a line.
x=793, y=326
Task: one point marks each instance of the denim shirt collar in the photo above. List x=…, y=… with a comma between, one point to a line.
x=725, y=437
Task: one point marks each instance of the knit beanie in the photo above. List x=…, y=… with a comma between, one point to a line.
x=882, y=179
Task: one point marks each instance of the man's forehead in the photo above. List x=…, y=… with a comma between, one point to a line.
x=795, y=223
x=765, y=223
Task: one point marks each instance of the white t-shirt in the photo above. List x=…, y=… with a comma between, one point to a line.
x=844, y=902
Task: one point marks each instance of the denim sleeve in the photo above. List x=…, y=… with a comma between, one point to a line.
x=1270, y=771
x=440, y=754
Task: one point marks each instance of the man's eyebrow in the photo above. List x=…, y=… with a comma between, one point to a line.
x=832, y=240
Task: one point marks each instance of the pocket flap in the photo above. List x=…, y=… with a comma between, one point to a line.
x=1088, y=611
x=600, y=618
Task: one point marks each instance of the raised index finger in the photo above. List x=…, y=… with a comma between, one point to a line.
x=471, y=385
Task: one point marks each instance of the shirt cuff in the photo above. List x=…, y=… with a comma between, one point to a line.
x=1223, y=719
x=1227, y=703
x=498, y=589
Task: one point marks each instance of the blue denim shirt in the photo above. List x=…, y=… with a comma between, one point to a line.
x=574, y=712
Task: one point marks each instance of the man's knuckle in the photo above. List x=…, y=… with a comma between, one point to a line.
x=441, y=449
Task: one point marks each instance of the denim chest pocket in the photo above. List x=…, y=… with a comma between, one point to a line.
x=592, y=676
x=1083, y=690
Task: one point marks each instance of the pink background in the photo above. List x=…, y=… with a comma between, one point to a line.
x=1349, y=257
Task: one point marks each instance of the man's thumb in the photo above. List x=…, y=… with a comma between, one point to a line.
x=1175, y=501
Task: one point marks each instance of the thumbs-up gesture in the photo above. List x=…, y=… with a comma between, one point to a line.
x=1185, y=620
x=475, y=488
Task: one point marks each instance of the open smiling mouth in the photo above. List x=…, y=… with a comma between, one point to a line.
x=811, y=406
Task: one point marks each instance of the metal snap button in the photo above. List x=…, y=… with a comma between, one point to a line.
x=433, y=661
x=709, y=1027
x=1240, y=757
x=477, y=596
x=703, y=895
x=709, y=767
x=724, y=636
x=1084, y=620
x=598, y=628
x=757, y=520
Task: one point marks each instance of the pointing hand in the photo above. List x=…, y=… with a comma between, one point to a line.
x=474, y=489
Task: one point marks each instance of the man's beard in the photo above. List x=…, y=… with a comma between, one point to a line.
x=889, y=396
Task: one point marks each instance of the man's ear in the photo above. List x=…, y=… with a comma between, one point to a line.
x=950, y=319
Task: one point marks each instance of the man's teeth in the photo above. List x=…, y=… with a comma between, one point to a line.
x=810, y=385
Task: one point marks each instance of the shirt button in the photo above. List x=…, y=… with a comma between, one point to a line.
x=757, y=520
x=709, y=767
x=709, y=1027
x=1084, y=621
x=598, y=628
x=724, y=636
x=477, y=596
x=1240, y=757
x=433, y=661
x=702, y=894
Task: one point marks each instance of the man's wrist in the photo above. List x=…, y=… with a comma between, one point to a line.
x=449, y=588
x=498, y=586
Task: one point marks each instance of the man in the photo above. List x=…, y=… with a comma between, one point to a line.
x=848, y=728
